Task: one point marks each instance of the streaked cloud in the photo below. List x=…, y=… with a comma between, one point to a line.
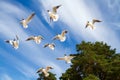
x=5, y=77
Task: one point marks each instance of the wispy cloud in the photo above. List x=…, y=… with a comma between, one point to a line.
x=76, y=13
x=10, y=27
x=73, y=15
x=5, y=77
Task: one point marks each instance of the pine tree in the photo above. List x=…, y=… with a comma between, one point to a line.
x=96, y=59
x=50, y=77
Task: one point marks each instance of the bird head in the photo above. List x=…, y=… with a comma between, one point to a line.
x=48, y=10
x=50, y=67
x=65, y=55
x=66, y=31
x=14, y=39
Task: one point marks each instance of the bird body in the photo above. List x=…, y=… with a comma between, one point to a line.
x=14, y=42
x=45, y=70
x=61, y=36
x=25, y=22
x=66, y=58
x=53, y=14
x=37, y=39
x=53, y=17
x=91, y=24
x=51, y=46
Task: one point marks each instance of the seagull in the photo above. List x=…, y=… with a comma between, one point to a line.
x=66, y=58
x=25, y=22
x=53, y=14
x=51, y=46
x=37, y=39
x=61, y=36
x=45, y=70
x=14, y=42
x=91, y=24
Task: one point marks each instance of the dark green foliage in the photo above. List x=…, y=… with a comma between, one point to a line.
x=94, y=60
x=50, y=77
x=91, y=77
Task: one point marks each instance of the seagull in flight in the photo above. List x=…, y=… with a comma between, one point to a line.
x=67, y=59
x=61, y=36
x=51, y=46
x=14, y=42
x=37, y=39
x=53, y=14
x=44, y=70
x=25, y=22
x=91, y=24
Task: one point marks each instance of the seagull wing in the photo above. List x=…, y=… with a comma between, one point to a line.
x=39, y=70
x=55, y=8
x=17, y=38
x=30, y=38
x=56, y=37
x=53, y=44
x=46, y=45
x=95, y=20
x=7, y=41
x=86, y=25
x=30, y=17
x=64, y=32
x=48, y=68
x=61, y=58
x=40, y=37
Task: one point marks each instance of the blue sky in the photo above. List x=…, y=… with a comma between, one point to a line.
x=21, y=64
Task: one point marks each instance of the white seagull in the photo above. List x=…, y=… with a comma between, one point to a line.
x=61, y=36
x=91, y=24
x=45, y=70
x=53, y=14
x=14, y=42
x=37, y=39
x=66, y=58
x=51, y=46
x=25, y=22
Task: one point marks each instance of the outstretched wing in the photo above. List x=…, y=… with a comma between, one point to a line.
x=61, y=58
x=55, y=8
x=17, y=38
x=30, y=38
x=29, y=18
x=46, y=45
x=53, y=44
x=48, y=68
x=7, y=41
x=56, y=37
x=95, y=20
x=39, y=70
x=40, y=37
x=64, y=32
x=87, y=24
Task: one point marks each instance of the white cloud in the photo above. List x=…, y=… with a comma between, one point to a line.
x=5, y=77
x=76, y=13
x=29, y=50
x=73, y=13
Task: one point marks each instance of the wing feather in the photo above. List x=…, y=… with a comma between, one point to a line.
x=30, y=38
x=29, y=18
x=95, y=20
x=55, y=8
